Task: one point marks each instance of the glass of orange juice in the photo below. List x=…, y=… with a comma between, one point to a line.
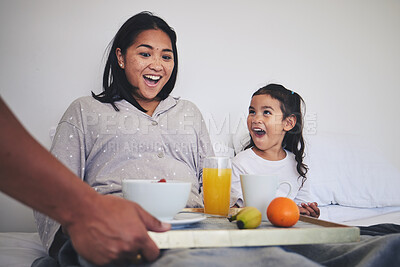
x=217, y=174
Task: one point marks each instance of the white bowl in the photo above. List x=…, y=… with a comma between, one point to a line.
x=162, y=200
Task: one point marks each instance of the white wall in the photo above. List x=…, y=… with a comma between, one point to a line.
x=342, y=56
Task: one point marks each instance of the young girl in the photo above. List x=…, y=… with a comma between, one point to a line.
x=276, y=145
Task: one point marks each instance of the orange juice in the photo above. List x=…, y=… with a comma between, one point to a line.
x=217, y=190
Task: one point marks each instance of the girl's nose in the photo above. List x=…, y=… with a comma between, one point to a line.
x=256, y=118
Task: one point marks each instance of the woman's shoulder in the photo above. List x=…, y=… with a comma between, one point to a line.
x=183, y=102
x=85, y=100
x=82, y=101
x=187, y=106
x=87, y=104
x=82, y=107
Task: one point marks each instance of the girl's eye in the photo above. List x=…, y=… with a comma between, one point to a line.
x=251, y=112
x=266, y=112
x=144, y=54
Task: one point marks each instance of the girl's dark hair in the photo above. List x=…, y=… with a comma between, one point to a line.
x=115, y=84
x=291, y=105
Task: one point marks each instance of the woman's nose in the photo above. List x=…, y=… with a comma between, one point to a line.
x=156, y=64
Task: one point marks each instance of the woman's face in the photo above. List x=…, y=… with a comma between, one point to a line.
x=148, y=64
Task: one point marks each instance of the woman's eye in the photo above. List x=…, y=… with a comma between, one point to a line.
x=251, y=112
x=266, y=112
x=144, y=54
x=167, y=57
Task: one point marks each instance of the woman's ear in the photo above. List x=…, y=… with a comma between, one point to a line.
x=289, y=123
x=120, y=58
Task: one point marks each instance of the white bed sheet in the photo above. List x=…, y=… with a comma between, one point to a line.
x=392, y=217
x=20, y=249
x=360, y=216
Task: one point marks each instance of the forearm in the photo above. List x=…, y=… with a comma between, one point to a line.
x=30, y=174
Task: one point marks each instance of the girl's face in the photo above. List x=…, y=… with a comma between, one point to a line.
x=148, y=64
x=266, y=124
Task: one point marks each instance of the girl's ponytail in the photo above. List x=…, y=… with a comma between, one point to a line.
x=294, y=140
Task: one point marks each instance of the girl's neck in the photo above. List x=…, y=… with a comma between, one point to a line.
x=270, y=154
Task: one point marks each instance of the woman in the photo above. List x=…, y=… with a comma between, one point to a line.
x=134, y=129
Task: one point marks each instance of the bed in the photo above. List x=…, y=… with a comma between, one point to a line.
x=352, y=182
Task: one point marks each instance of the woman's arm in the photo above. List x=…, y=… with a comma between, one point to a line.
x=102, y=228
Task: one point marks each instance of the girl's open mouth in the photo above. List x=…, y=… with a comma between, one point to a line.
x=259, y=132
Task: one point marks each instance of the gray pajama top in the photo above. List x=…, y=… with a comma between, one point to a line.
x=103, y=146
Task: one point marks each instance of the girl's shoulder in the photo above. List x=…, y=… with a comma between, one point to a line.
x=249, y=155
x=243, y=155
x=290, y=156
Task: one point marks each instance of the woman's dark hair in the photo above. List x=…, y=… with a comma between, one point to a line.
x=115, y=84
x=291, y=105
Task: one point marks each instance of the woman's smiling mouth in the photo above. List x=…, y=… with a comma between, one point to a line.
x=151, y=80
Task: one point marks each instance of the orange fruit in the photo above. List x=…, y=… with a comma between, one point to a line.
x=283, y=212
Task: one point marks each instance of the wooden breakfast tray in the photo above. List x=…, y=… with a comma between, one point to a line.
x=219, y=232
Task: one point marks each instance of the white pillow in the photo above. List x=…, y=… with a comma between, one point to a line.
x=347, y=170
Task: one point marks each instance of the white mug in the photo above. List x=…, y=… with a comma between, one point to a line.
x=260, y=190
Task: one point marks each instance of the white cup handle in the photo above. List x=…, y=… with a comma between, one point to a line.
x=290, y=187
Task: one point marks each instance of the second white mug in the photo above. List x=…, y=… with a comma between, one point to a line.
x=260, y=190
